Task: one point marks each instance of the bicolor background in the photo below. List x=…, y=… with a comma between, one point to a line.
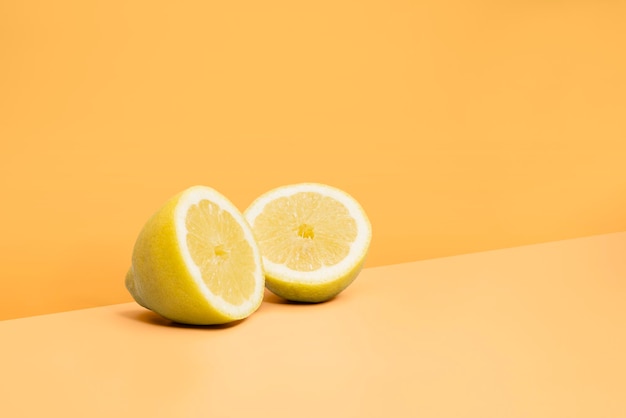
x=460, y=126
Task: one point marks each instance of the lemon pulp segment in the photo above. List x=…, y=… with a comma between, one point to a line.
x=305, y=231
x=218, y=247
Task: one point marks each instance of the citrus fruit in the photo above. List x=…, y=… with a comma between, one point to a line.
x=313, y=240
x=196, y=261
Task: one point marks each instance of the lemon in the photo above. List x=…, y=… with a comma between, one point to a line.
x=313, y=240
x=196, y=261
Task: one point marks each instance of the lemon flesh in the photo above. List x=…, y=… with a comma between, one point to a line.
x=313, y=239
x=196, y=261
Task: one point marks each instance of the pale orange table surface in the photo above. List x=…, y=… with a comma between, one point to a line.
x=537, y=331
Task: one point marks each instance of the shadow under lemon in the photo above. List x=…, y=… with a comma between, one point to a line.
x=270, y=300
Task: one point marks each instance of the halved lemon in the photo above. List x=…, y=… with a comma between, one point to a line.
x=313, y=240
x=196, y=261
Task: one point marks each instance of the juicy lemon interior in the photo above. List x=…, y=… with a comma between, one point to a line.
x=218, y=247
x=305, y=231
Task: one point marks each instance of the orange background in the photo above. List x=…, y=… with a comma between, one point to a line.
x=460, y=126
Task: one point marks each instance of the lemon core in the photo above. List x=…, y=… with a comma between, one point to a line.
x=306, y=231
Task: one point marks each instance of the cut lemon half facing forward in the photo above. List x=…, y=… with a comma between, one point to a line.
x=196, y=261
x=313, y=240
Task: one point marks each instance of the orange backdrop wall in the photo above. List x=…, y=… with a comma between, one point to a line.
x=459, y=125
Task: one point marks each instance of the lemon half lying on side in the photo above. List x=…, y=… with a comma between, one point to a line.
x=313, y=239
x=196, y=261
